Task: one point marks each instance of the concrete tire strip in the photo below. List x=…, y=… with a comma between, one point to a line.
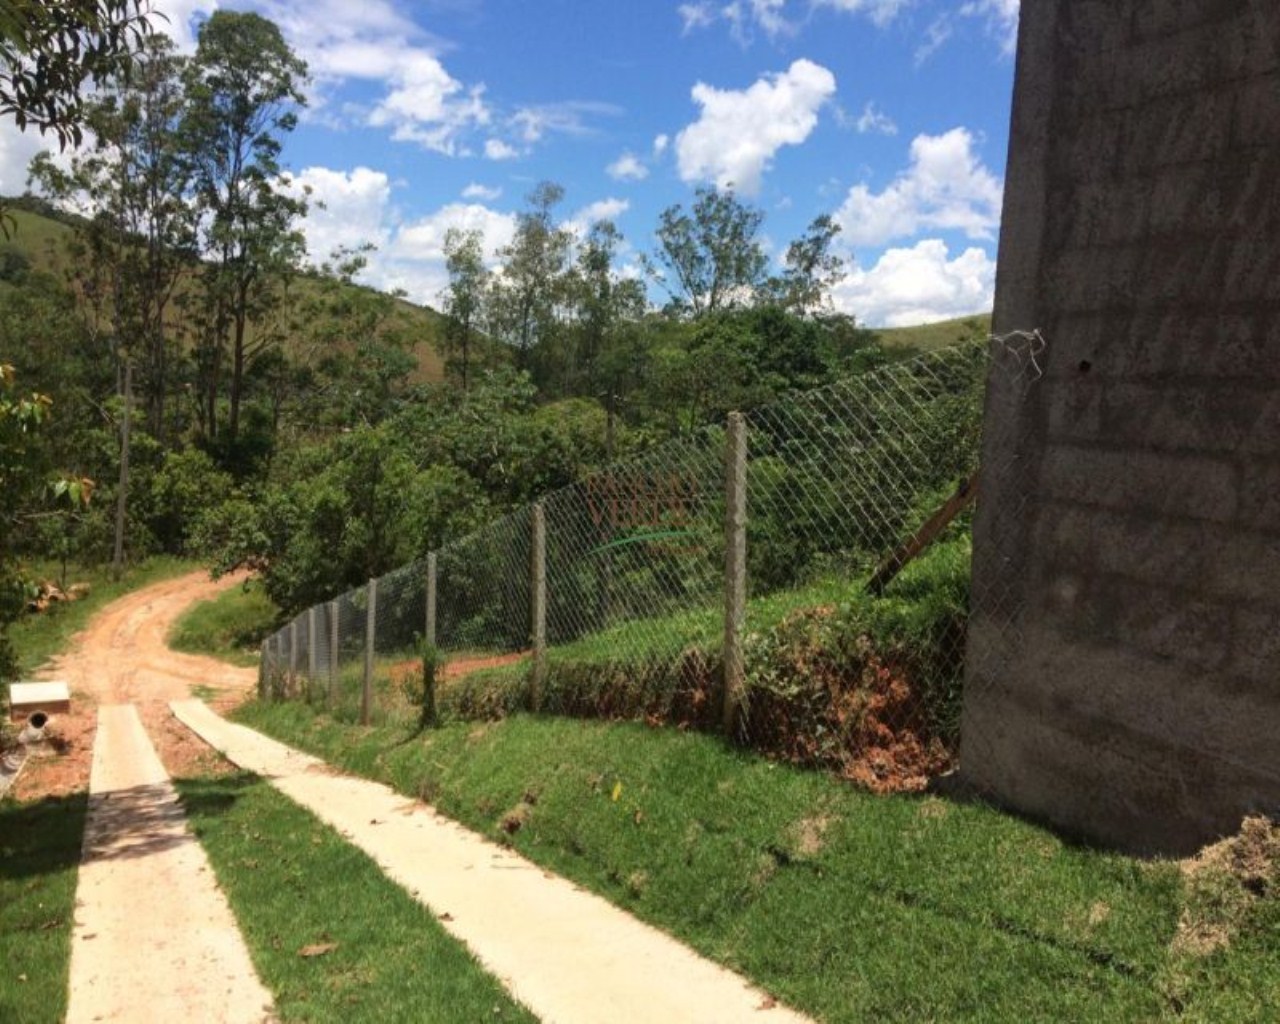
x=154, y=938
x=568, y=955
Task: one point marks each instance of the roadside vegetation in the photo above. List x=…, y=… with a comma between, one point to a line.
x=230, y=626
x=331, y=936
x=847, y=905
x=39, y=860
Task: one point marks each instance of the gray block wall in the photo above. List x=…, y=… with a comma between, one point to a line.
x=1124, y=658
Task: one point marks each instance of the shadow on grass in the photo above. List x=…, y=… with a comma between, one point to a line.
x=41, y=838
x=213, y=797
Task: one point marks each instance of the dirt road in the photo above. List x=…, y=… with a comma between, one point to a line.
x=121, y=658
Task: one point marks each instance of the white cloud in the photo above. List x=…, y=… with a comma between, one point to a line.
x=532, y=123
x=881, y=12
x=740, y=131
x=496, y=149
x=602, y=209
x=874, y=121
x=423, y=239
x=935, y=36
x=179, y=14
x=699, y=15
x=918, y=285
x=16, y=151
x=346, y=209
x=946, y=188
x=1001, y=17
x=373, y=41
x=627, y=167
x=660, y=144
x=477, y=191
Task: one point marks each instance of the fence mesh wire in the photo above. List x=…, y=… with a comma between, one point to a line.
x=858, y=508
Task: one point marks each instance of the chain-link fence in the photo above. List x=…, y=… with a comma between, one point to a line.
x=798, y=576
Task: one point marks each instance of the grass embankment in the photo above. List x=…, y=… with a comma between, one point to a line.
x=331, y=936
x=39, y=857
x=851, y=907
x=230, y=626
x=928, y=337
x=38, y=637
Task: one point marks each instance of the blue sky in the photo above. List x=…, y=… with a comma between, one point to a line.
x=890, y=114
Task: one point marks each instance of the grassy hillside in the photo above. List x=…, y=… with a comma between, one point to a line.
x=927, y=337
x=42, y=241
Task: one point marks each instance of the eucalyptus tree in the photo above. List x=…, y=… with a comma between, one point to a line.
x=465, y=295
x=243, y=88
x=709, y=258
x=606, y=307
x=529, y=291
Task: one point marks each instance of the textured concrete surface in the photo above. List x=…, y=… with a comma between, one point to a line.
x=570, y=956
x=1124, y=660
x=154, y=938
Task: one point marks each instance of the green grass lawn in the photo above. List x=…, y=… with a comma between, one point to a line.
x=37, y=638
x=849, y=906
x=295, y=884
x=39, y=858
x=231, y=626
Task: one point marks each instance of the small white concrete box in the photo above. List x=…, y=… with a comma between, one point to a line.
x=25, y=699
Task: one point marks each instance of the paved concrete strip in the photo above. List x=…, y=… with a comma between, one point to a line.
x=566, y=954
x=154, y=939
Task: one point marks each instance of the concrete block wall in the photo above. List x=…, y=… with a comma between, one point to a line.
x=1124, y=658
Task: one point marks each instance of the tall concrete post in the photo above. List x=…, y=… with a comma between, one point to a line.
x=335, y=610
x=430, y=625
x=370, y=641
x=1123, y=659
x=313, y=642
x=735, y=568
x=538, y=602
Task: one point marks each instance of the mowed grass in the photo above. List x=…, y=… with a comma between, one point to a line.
x=38, y=637
x=39, y=859
x=230, y=626
x=849, y=906
x=331, y=936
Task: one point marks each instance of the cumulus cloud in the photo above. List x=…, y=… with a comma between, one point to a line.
x=738, y=133
x=945, y=188
x=918, y=285
x=346, y=209
x=496, y=149
x=477, y=191
x=660, y=144
x=17, y=148
x=372, y=41
x=627, y=167
x=415, y=260
x=602, y=209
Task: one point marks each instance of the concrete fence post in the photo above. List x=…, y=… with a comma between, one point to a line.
x=538, y=603
x=263, y=669
x=334, y=613
x=370, y=637
x=293, y=656
x=735, y=568
x=430, y=625
x=312, y=648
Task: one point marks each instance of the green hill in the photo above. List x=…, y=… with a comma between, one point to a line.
x=40, y=239
x=927, y=337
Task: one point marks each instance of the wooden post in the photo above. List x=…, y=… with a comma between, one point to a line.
x=263, y=670
x=334, y=612
x=370, y=636
x=430, y=633
x=735, y=568
x=538, y=603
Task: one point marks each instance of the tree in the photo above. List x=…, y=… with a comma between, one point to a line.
x=241, y=88
x=812, y=269
x=141, y=238
x=49, y=52
x=527, y=293
x=463, y=299
x=709, y=259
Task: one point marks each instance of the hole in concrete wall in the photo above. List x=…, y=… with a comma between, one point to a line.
x=1085, y=366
